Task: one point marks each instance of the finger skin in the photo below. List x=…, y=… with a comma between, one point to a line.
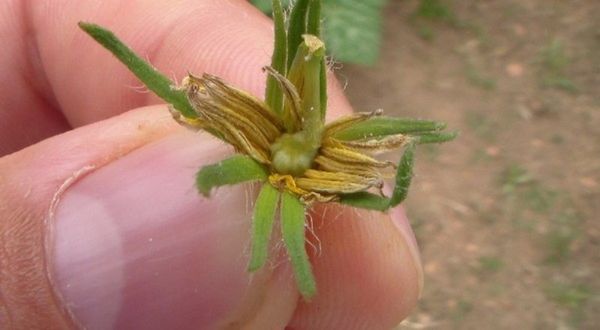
x=29, y=179
x=365, y=270
x=230, y=39
x=27, y=108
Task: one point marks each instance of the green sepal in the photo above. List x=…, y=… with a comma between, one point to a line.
x=403, y=175
x=262, y=225
x=376, y=127
x=273, y=94
x=438, y=137
x=234, y=170
x=152, y=78
x=369, y=201
x=366, y=200
x=292, y=229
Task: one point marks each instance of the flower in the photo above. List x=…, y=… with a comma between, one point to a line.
x=283, y=141
x=313, y=174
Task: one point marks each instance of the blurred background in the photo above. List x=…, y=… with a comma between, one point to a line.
x=507, y=216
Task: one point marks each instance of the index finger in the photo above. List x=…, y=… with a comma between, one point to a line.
x=230, y=39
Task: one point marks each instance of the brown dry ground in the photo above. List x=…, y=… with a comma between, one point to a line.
x=507, y=216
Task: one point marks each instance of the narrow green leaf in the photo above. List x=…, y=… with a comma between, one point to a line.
x=237, y=169
x=436, y=137
x=274, y=95
x=292, y=228
x=262, y=225
x=382, y=126
x=366, y=200
x=296, y=28
x=153, y=79
x=403, y=175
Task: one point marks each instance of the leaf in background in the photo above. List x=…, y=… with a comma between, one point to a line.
x=352, y=29
x=237, y=169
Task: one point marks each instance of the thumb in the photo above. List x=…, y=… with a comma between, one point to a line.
x=116, y=236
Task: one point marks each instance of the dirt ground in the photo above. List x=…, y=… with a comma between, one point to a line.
x=507, y=216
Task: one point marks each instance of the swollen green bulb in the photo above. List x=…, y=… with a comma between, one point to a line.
x=293, y=154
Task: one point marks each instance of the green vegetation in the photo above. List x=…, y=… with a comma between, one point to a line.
x=481, y=125
x=430, y=13
x=571, y=296
x=490, y=264
x=559, y=239
x=530, y=198
x=512, y=177
x=554, y=62
x=477, y=78
x=462, y=308
x=568, y=295
x=436, y=11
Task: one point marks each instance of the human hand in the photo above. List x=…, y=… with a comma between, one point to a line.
x=101, y=226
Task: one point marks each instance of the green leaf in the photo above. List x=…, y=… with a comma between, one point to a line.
x=151, y=77
x=273, y=94
x=237, y=169
x=296, y=28
x=438, y=137
x=366, y=200
x=292, y=228
x=376, y=127
x=353, y=29
x=403, y=175
x=262, y=225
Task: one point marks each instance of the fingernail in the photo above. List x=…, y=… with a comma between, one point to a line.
x=134, y=246
x=401, y=222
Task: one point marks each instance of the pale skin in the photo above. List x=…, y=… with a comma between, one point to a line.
x=100, y=226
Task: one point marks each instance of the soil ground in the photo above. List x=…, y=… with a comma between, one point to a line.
x=507, y=216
